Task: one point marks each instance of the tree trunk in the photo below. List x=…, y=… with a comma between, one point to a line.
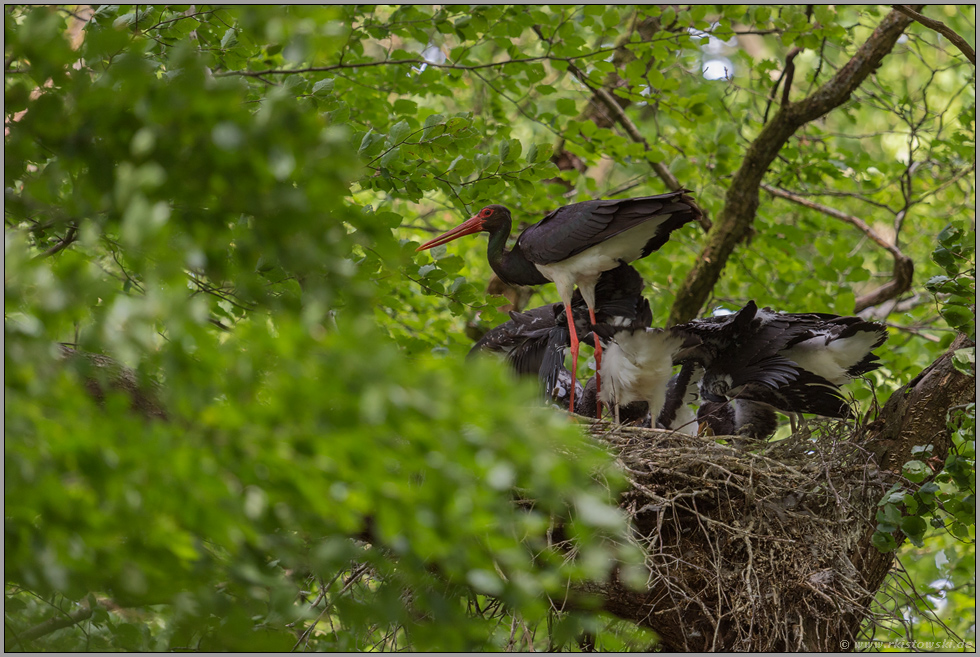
x=742, y=200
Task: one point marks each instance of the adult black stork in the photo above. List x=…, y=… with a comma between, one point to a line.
x=574, y=244
x=791, y=362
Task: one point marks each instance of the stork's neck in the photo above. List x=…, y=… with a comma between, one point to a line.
x=511, y=266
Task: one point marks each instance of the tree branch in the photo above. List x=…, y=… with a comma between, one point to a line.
x=64, y=242
x=619, y=114
x=742, y=200
x=415, y=61
x=943, y=29
x=904, y=267
x=53, y=624
x=916, y=413
x=788, y=71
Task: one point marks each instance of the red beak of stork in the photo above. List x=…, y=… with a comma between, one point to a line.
x=468, y=227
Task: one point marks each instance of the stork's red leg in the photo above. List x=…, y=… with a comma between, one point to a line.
x=574, y=338
x=598, y=366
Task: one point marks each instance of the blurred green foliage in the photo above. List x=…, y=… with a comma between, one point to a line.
x=227, y=201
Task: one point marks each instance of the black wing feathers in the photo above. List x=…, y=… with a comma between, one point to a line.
x=574, y=228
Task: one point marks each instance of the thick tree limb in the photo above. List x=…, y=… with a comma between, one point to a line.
x=742, y=199
x=943, y=29
x=901, y=273
x=916, y=414
x=899, y=284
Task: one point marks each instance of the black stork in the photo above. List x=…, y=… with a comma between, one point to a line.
x=559, y=386
x=574, y=244
x=638, y=365
x=535, y=340
x=791, y=362
x=523, y=338
x=635, y=413
x=738, y=417
x=682, y=391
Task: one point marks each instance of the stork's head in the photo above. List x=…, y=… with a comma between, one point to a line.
x=490, y=219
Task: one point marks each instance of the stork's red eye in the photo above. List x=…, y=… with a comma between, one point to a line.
x=486, y=212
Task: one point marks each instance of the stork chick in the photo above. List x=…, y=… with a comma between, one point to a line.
x=637, y=364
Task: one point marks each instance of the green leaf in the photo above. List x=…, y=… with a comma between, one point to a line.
x=456, y=124
x=964, y=360
x=914, y=527
x=504, y=150
x=404, y=106
x=322, y=87
x=398, y=132
x=915, y=471
x=884, y=542
x=230, y=38
x=889, y=514
x=610, y=18
x=958, y=317
x=566, y=106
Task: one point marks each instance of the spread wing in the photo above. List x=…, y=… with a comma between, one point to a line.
x=523, y=338
x=808, y=393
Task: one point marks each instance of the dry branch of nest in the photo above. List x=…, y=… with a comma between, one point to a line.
x=747, y=549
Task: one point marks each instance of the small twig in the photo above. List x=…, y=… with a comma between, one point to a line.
x=356, y=575
x=914, y=331
x=959, y=174
x=790, y=72
x=790, y=69
x=943, y=29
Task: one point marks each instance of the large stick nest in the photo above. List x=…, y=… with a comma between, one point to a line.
x=748, y=547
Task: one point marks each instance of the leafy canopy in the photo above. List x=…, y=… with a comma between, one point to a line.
x=227, y=201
